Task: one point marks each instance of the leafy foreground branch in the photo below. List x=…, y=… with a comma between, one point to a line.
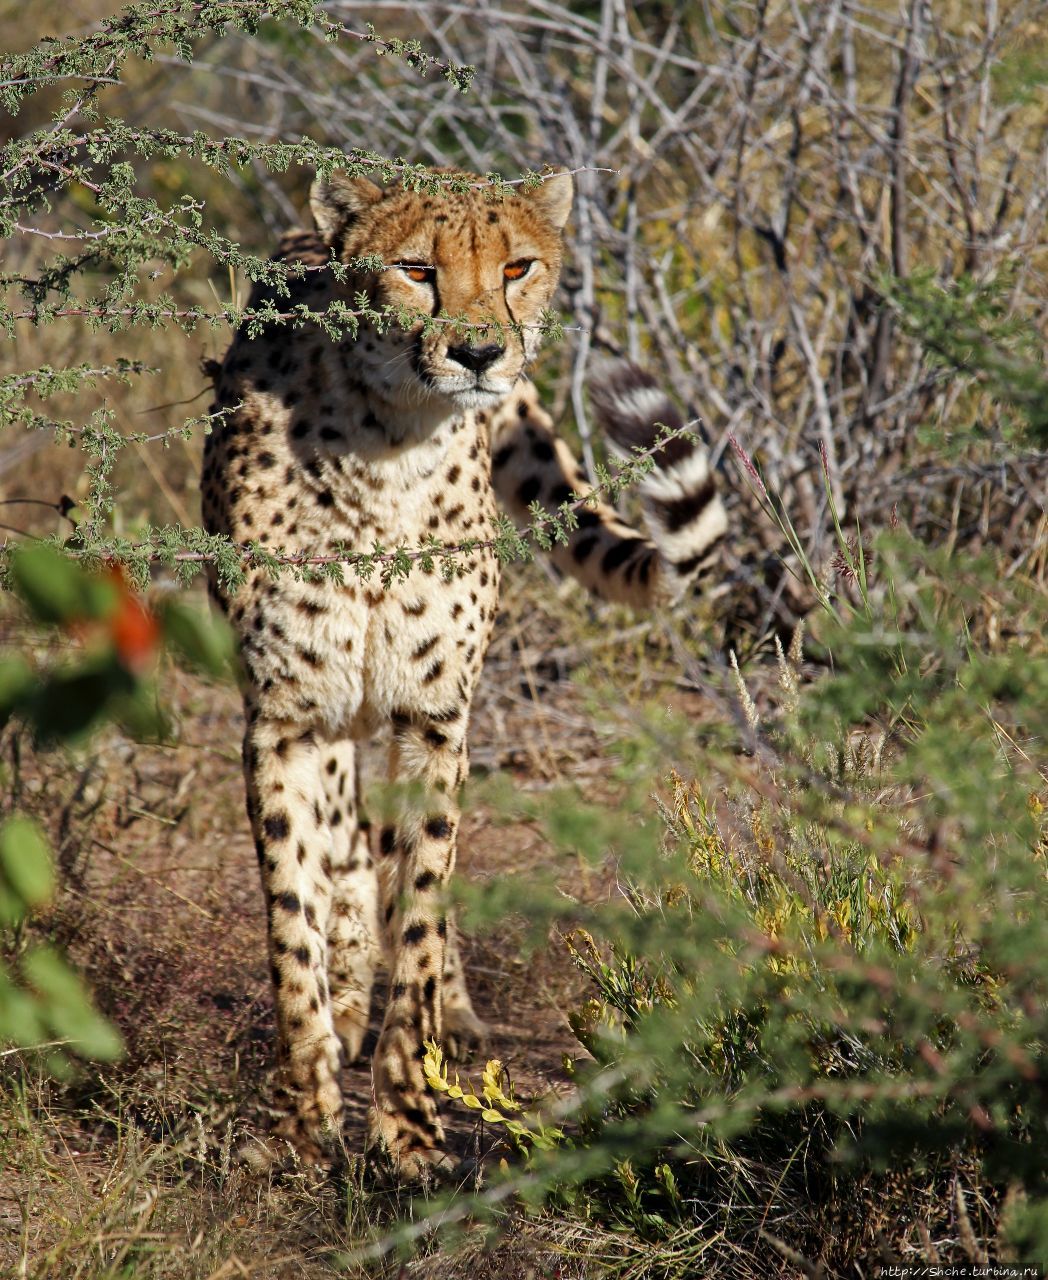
x=139, y=29
x=88, y=240
x=187, y=551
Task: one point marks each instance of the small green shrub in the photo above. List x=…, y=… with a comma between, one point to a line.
x=816, y=1026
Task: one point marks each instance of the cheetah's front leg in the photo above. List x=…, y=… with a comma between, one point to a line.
x=354, y=932
x=416, y=858
x=464, y=1034
x=292, y=838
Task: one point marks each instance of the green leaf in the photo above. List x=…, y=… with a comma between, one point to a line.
x=12, y=908
x=25, y=860
x=67, y=1007
x=69, y=702
x=58, y=591
x=47, y=582
x=141, y=715
x=99, y=596
x=15, y=679
x=20, y=1022
x=201, y=642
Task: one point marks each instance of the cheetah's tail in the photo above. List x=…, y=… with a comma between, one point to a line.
x=685, y=516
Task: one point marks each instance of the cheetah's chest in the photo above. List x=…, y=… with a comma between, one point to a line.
x=350, y=655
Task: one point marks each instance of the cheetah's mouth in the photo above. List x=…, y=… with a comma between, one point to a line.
x=464, y=388
x=481, y=395
x=468, y=392
x=479, y=389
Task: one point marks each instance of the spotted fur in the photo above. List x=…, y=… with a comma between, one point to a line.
x=396, y=437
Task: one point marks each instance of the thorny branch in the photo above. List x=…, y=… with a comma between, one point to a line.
x=744, y=187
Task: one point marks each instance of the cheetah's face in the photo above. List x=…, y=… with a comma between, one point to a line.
x=465, y=256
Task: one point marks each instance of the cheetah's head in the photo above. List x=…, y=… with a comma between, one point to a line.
x=465, y=255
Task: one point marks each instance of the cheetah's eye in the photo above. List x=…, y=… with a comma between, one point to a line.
x=519, y=269
x=420, y=274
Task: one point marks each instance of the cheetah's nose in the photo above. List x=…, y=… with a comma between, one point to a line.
x=476, y=359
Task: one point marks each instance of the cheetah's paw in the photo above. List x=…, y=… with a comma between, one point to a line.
x=464, y=1035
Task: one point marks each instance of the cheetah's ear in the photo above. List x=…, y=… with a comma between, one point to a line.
x=337, y=200
x=553, y=198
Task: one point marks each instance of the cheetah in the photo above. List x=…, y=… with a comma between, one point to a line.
x=396, y=437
